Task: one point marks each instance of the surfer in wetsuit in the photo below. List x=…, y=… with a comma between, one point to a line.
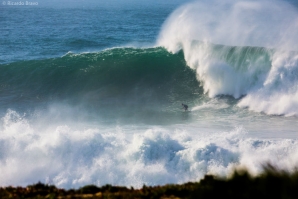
x=185, y=106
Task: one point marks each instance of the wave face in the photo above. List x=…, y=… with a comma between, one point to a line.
x=111, y=74
x=221, y=49
x=114, y=81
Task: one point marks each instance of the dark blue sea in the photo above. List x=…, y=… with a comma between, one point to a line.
x=91, y=92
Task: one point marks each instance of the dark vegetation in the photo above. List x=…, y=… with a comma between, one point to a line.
x=271, y=184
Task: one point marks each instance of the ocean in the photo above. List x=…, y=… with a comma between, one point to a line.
x=91, y=91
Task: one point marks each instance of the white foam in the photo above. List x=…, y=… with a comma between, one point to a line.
x=68, y=156
x=278, y=94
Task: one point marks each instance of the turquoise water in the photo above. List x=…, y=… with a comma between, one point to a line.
x=91, y=92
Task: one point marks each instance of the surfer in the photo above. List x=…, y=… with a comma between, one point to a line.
x=185, y=106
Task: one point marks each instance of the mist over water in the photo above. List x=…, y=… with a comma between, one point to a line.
x=91, y=100
x=270, y=24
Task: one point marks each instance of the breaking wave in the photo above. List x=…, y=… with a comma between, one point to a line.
x=247, y=49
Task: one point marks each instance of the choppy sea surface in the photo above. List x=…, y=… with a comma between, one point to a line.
x=91, y=92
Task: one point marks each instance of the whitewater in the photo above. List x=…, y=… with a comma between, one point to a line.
x=99, y=104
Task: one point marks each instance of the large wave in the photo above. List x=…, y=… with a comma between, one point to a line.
x=219, y=40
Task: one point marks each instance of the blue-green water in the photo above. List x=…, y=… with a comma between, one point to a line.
x=91, y=91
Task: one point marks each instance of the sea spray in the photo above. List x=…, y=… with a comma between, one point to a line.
x=236, y=23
